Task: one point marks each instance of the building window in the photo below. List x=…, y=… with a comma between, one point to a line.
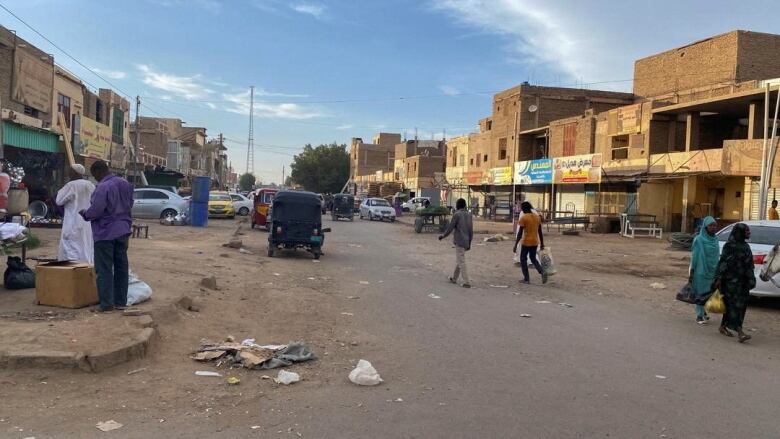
x=99, y=111
x=488, y=125
x=118, y=126
x=63, y=106
x=471, y=162
x=569, y=139
x=478, y=161
x=30, y=111
x=461, y=159
x=502, y=148
x=485, y=158
x=619, y=147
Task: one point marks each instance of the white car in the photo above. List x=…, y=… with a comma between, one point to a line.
x=414, y=204
x=157, y=203
x=763, y=236
x=242, y=204
x=376, y=209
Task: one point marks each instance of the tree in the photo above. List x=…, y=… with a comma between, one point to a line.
x=246, y=182
x=321, y=169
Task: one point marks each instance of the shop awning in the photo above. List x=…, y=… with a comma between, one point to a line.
x=30, y=138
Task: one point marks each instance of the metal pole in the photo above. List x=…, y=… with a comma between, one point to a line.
x=764, y=152
x=772, y=149
x=137, y=140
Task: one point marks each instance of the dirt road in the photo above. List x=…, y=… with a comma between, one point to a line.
x=602, y=354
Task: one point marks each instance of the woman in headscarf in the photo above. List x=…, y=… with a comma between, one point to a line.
x=735, y=278
x=704, y=262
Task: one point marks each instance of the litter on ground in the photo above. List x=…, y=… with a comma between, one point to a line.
x=364, y=374
x=287, y=378
x=543, y=301
x=527, y=316
x=207, y=373
x=233, y=381
x=252, y=356
x=499, y=286
x=108, y=425
x=434, y=296
x=657, y=286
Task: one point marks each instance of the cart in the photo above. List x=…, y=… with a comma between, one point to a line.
x=431, y=219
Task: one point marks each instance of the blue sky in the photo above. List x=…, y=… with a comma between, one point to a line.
x=331, y=70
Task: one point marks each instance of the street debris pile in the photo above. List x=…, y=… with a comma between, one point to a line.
x=250, y=355
x=137, y=290
x=495, y=238
x=364, y=374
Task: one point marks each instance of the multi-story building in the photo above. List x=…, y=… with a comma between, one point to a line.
x=417, y=163
x=368, y=158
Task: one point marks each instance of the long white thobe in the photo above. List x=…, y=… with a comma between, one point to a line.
x=76, y=239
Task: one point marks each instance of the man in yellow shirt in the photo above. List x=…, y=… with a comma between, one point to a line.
x=529, y=236
x=772, y=212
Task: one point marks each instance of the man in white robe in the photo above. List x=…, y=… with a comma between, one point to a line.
x=76, y=240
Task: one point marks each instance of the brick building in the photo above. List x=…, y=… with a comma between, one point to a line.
x=368, y=158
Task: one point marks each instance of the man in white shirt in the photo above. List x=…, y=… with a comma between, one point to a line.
x=76, y=240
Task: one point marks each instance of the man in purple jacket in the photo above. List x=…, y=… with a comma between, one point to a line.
x=109, y=213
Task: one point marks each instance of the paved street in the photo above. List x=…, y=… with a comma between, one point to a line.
x=623, y=361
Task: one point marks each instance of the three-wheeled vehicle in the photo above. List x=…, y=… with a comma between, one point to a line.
x=296, y=223
x=262, y=206
x=343, y=206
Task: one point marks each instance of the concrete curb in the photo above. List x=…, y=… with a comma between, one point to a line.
x=93, y=361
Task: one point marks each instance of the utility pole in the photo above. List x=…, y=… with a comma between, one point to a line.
x=282, y=176
x=250, y=152
x=137, y=139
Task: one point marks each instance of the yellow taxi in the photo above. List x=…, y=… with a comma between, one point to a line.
x=221, y=205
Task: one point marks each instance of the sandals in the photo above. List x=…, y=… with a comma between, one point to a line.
x=744, y=337
x=725, y=331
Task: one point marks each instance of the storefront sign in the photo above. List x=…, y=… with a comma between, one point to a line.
x=95, y=138
x=33, y=81
x=629, y=119
x=578, y=169
x=474, y=177
x=500, y=176
x=534, y=172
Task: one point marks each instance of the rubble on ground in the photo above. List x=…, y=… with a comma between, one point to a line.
x=250, y=355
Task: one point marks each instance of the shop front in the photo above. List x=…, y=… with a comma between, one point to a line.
x=36, y=158
x=571, y=175
x=533, y=181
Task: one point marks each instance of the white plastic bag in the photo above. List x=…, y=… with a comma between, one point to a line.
x=516, y=257
x=287, y=378
x=364, y=374
x=137, y=290
x=546, y=259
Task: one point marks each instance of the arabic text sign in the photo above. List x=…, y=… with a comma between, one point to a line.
x=500, y=176
x=577, y=169
x=96, y=138
x=534, y=172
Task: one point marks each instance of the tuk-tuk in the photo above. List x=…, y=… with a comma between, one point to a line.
x=296, y=223
x=262, y=199
x=343, y=207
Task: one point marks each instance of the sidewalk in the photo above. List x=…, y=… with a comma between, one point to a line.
x=480, y=226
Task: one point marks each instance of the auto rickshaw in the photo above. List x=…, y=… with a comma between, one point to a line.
x=343, y=207
x=296, y=223
x=262, y=203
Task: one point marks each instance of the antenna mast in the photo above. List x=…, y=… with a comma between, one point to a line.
x=250, y=151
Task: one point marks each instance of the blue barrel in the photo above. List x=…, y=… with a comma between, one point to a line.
x=200, y=189
x=199, y=214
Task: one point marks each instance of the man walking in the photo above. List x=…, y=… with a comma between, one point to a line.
x=772, y=214
x=529, y=235
x=76, y=239
x=463, y=229
x=109, y=214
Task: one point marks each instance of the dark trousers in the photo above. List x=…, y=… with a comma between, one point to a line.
x=525, y=253
x=112, y=271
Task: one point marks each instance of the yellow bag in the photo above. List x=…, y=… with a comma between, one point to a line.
x=715, y=304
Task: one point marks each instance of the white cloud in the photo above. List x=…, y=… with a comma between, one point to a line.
x=449, y=90
x=344, y=127
x=187, y=87
x=316, y=10
x=535, y=32
x=113, y=74
x=239, y=103
x=209, y=5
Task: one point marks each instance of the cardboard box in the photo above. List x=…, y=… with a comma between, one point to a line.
x=65, y=284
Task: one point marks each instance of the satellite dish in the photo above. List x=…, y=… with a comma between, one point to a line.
x=532, y=108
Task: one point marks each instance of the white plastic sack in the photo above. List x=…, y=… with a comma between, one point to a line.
x=516, y=256
x=364, y=374
x=137, y=290
x=546, y=259
x=287, y=378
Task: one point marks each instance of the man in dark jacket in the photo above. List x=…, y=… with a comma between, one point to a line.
x=462, y=231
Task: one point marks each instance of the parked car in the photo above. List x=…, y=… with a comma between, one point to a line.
x=763, y=236
x=221, y=205
x=376, y=209
x=241, y=204
x=414, y=204
x=157, y=203
x=173, y=189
